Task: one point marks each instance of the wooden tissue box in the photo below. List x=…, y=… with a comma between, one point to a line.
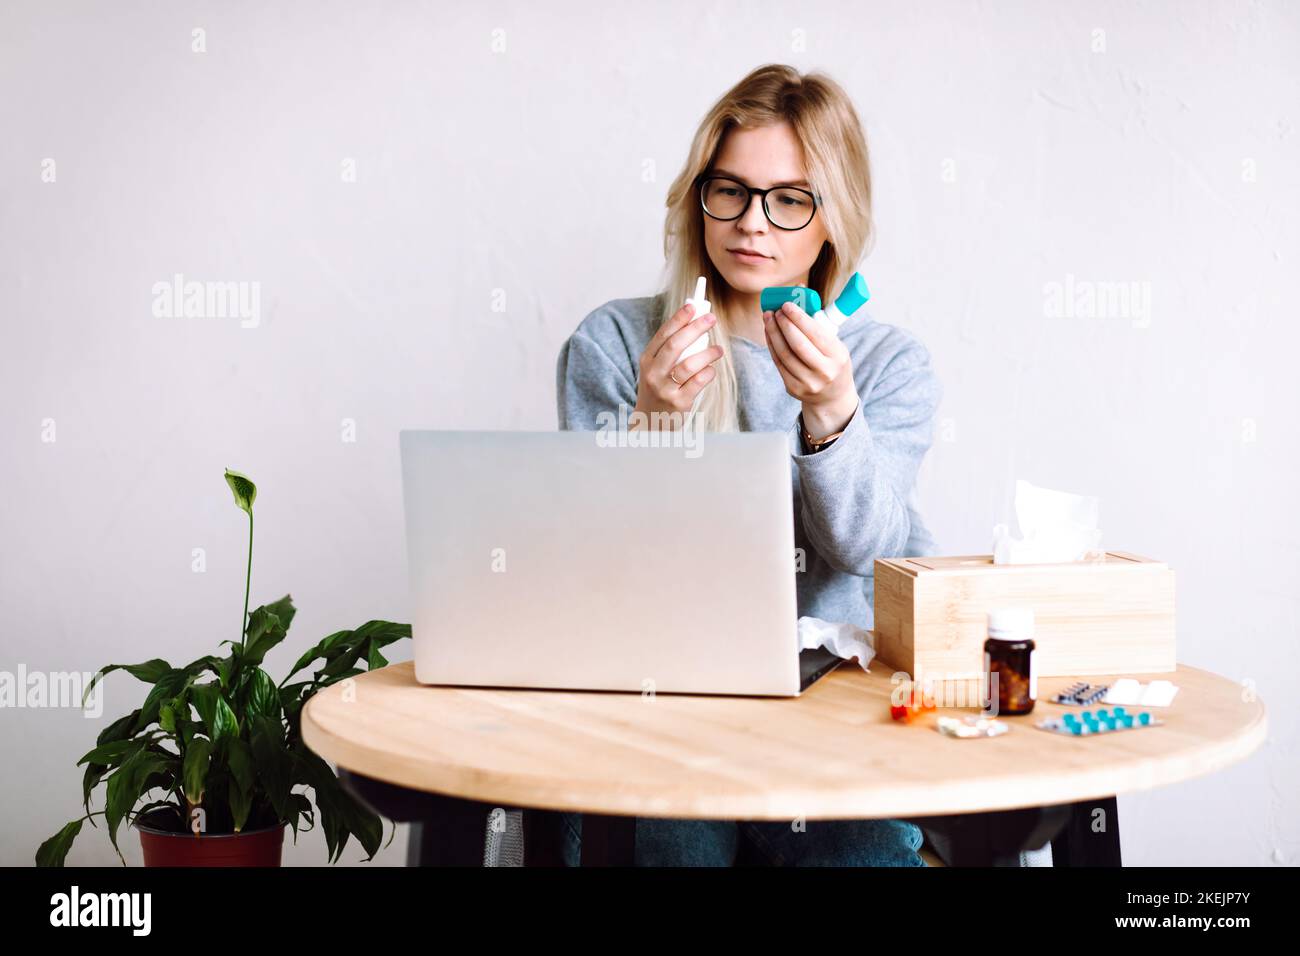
x=1114, y=615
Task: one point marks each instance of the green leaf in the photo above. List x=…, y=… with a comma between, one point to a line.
x=168, y=686
x=119, y=729
x=326, y=645
x=345, y=665
x=150, y=672
x=242, y=781
x=127, y=785
x=173, y=714
x=244, y=490
x=291, y=694
x=293, y=717
x=352, y=671
x=55, y=850
x=267, y=626
x=198, y=757
x=300, y=807
x=169, y=805
x=112, y=753
x=274, y=768
x=341, y=815
x=210, y=663
x=163, y=779
x=104, y=758
x=240, y=803
x=263, y=697
x=343, y=649
x=283, y=609
x=383, y=633
x=217, y=717
x=89, y=781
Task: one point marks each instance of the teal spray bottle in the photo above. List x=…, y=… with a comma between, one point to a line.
x=854, y=294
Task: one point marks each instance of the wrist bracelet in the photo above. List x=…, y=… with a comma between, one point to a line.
x=817, y=444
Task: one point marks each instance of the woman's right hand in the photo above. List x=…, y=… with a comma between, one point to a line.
x=666, y=385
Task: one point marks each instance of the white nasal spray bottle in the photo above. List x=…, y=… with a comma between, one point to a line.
x=702, y=306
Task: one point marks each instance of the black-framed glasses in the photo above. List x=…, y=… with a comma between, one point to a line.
x=786, y=207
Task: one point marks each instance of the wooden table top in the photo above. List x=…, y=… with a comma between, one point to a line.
x=832, y=753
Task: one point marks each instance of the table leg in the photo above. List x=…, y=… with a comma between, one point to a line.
x=1090, y=836
x=608, y=840
x=543, y=838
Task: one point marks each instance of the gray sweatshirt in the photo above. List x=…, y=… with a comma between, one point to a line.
x=854, y=501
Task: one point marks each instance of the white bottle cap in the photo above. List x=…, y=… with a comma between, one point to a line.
x=702, y=307
x=1011, y=623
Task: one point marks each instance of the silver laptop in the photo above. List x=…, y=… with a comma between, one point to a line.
x=551, y=560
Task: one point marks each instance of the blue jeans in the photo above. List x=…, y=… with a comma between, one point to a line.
x=667, y=842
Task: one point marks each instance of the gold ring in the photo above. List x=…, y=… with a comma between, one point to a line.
x=674, y=378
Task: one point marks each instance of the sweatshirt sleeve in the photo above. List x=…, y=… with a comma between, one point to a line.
x=588, y=381
x=855, y=493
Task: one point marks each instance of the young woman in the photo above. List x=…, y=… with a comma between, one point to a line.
x=776, y=191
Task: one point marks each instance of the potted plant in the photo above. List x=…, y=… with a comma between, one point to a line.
x=207, y=767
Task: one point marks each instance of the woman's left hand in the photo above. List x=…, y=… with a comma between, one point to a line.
x=815, y=366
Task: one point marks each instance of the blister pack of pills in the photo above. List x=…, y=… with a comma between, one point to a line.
x=1090, y=724
x=1081, y=694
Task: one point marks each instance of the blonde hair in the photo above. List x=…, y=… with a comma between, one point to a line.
x=838, y=170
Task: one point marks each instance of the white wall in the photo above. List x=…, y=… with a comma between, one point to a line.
x=1008, y=152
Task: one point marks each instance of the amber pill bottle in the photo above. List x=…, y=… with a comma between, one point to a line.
x=1009, y=659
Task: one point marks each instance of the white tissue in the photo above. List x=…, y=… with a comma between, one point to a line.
x=1056, y=526
x=842, y=640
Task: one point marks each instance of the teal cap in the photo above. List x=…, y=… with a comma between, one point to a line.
x=855, y=293
x=773, y=297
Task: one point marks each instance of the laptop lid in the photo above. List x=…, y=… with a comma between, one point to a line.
x=549, y=559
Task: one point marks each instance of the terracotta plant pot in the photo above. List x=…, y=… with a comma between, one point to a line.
x=252, y=848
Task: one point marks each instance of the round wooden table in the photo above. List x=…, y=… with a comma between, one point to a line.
x=833, y=753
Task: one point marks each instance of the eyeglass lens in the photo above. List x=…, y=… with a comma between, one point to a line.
x=786, y=207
